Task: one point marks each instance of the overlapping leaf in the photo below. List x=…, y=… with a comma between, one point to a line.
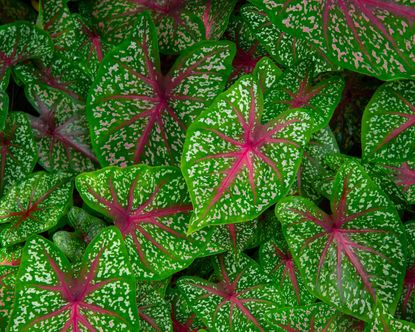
x=15, y=10
x=51, y=296
x=385, y=322
x=4, y=107
x=354, y=256
x=18, y=151
x=371, y=37
x=239, y=298
x=234, y=165
x=138, y=115
x=8, y=276
x=34, y=206
x=86, y=225
x=70, y=243
x=299, y=88
x=151, y=207
x=61, y=130
x=388, y=124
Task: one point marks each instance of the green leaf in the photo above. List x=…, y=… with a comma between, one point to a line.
x=18, y=151
x=384, y=322
x=388, y=124
x=267, y=74
x=137, y=115
x=51, y=296
x=234, y=165
x=8, y=276
x=70, y=243
x=4, y=108
x=299, y=87
x=151, y=207
x=371, y=37
x=34, y=205
x=61, y=130
x=313, y=317
x=85, y=224
x=353, y=256
x=15, y=10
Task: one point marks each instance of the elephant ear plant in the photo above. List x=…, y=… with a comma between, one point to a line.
x=207, y=165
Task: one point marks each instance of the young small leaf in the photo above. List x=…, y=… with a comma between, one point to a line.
x=51, y=296
x=70, y=243
x=354, y=256
x=33, y=206
x=85, y=224
x=234, y=165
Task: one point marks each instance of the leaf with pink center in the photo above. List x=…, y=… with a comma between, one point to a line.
x=53, y=296
x=235, y=165
x=61, y=130
x=18, y=152
x=74, y=37
x=8, y=276
x=34, y=205
x=283, y=47
x=299, y=87
x=276, y=260
x=180, y=23
x=237, y=297
x=388, y=124
x=353, y=256
x=312, y=318
x=137, y=115
x=151, y=207
x=373, y=37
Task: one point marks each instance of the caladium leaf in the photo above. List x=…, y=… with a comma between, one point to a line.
x=239, y=298
x=33, y=206
x=276, y=260
x=385, y=322
x=153, y=310
x=151, y=207
x=142, y=115
x=18, y=152
x=11, y=256
x=180, y=23
x=15, y=10
x=284, y=48
x=353, y=256
x=70, y=243
x=234, y=165
x=299, y=87
x=61, y=130
x=388, y=124
x=51, y=296
x=19, y=42
x=8, y=276
x=4, y=107
x=85, y=224
x=266, y=73
x=370, y=37
x=313, y=318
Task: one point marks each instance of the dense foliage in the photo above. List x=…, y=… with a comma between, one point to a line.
x=207, y=165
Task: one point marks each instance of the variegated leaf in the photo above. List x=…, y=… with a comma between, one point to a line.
x=61, y=130
x=51, y=296
x=137, y=115
x=354, y=256
x=299, y=87
x=267, y=74
x=388, y=130
x=276, y=260
x=33, y=206
x=385, y=322
x=85, y=224
x=19, y=42
x=151, y=207
x=18, y=154
x=15, y=10
x=239, y=298
x=312, y=318
x=8, y=276
x=234, y=165
x=372, y=37
x=70, y=243
x=11, y=256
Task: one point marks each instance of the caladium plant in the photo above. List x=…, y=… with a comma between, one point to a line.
x=61, y=298
x=370, y=37
x=156, y=109
x=235, y=165
x=349, y=258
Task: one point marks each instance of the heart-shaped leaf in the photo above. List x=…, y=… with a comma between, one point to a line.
x=33, y=206
x=18, y=151
x=353, y=256
x=61, y=130
x=299, y=88
x=151, y=207
x=239, y=298
x=313, y=317
x=371, y=37
x=276, y=260
x=51, y=296
x=388, y=124
x=284, y=48
x=138, y=115
x=234, y=165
